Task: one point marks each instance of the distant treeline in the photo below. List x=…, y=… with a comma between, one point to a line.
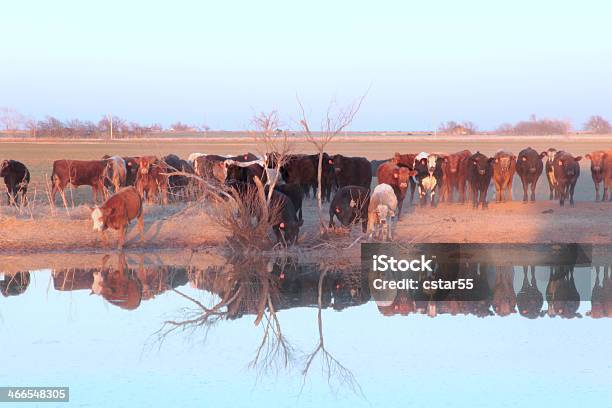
x=12, y=122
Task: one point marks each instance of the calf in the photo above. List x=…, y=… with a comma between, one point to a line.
x=567, y=171
x=78, y=173
x=152, y=180
x=398, y=178
x=597, y=159
x=550, y=172
x=503, y=174
x=116, y=172
x=406, y=160
x=350, y=206
x=529, y=168
x=16, y=178
x=352, y=171
x=456, y=175
x=117, y=212
x=428, y=174
x=479, y=176
x=381, y=208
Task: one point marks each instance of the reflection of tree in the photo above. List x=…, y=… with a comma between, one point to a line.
x=331, y=367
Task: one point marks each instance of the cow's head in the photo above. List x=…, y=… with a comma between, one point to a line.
x=337, y=163
x=145, y=163
x=453, y=162
x=481, y=163
x=432, y=161
x=597, y=160
x=568, y=164
x=549, y=154
x=289, y=230
x=99, y=217
x=504, y=161
x=117, y=288
x=529, y=159
x=383, y=212
x=4, y=167
x=402, y=175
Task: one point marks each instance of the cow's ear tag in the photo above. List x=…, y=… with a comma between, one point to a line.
x=395, y=175
x=353, y=203
x=337, y=210
x=560, y=163
x=282, y=225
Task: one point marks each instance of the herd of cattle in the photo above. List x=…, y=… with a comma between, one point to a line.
x=437, y=177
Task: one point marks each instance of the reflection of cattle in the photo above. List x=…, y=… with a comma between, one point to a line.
x=479, y=176
x=567, y=171
x=352, y=171
x=504, y=167
x=398, y=178
x=78, y=173
x=529, y=168
x=118, y=211
x=14, y=284
x=72, y=279
x=158, y=279
x=382, y=206
x=504, y=297
x=601, y=296
x=529, y=299
x=118, y=287
x=561, y=294
x=598, y=159
x=350, y=205
x=152, y=180
x=16, y=178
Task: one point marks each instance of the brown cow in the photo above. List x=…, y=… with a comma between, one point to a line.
x=152, y=179
x=118, y=211
x=504, y=167
x=456, y=176
x=398, y=178
x=406, y=160
x=597, y=159
x=78, y=173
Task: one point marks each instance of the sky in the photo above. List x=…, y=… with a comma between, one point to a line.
x=219, y=63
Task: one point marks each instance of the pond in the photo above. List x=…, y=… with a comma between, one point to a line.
x=144, y=329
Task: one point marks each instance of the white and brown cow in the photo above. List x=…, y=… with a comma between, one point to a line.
x=382, y=206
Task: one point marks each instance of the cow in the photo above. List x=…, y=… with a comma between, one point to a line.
x=295, y=194
x=210, y=167
x=116, y=172
x=406, y=160
x=244, y=172
x=78, y=173
x=297, y=169
x=285, y=223
x=131, y=168
x=567, y=171
x=550, y=172
x=327, y=175
x=598, y=159
x=192, y=158
x=529, y=299
x=16, y=178
x=350, y=206
x=382, y=206
x=352, y=171
x=504, y=167
x=479, y=176
x=118, y=286
x=428, y=173
x=178, y=183
x=529, y=168
x=117, y=212
x=456, y=174
x=398, y=178
x=246, y=157
x=152, y=179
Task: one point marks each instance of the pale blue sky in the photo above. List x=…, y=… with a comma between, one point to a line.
x=217, y=62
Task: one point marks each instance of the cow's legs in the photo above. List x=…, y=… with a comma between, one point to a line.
x=121, y=239
x=412, y=188
x=525, y=186
x=596, y=191
x=483, y=197
x=533, y=187
x=571, y=193
x=474, y=198
x=499, y=192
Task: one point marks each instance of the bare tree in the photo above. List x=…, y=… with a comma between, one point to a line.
x=10, y=119
x=598, y=125
x=337, y=119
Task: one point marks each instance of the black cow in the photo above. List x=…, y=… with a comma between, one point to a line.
x=479, y=173
x=246, y=174
x=529, y=168
x=286, y=225
x=350, y=205
x=352, y=171
x=567, y=171
x=178, y=183
x=327, y=175
x=131, y=170
x=295, y=194
x=16, y=177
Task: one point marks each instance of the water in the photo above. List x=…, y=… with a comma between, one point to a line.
x=100, y=330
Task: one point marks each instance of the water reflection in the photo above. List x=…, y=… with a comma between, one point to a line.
x=257, y=286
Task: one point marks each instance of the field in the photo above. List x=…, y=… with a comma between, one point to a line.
x=180, y=226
